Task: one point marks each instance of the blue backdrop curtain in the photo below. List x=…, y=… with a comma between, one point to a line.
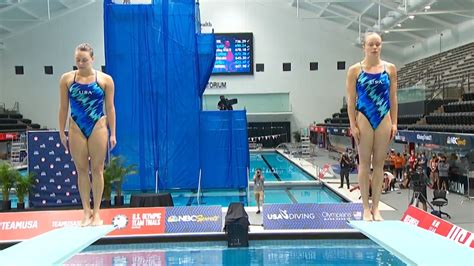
x=224, y=149
x=151, y=54
x=160, y=64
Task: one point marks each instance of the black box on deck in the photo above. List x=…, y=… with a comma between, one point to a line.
x=237, y=236
x=237, y=225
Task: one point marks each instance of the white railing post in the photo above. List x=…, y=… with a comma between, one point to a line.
x=248, y=186
x=199, y=189
x=157, y=190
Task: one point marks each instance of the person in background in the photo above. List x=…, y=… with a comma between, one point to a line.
x=258, y=188
x=346, y=166
x=419, y=182
x=399, y=162
x=423, y=161
x=412, y=159
x=388, y=182
x=392, y=157
x=443, y=169
x=434, y=171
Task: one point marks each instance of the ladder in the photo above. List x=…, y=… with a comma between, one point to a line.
x=17, y=147
x=305, y=144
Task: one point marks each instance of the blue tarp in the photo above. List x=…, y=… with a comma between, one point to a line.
x=224, y=149
x=160, y=66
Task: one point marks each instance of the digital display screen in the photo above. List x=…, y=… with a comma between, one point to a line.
x=234, y=54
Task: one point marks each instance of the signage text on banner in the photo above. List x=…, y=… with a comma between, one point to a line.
x=19, y=226
x=439, y=226
x=310, y=215
x=194, y=219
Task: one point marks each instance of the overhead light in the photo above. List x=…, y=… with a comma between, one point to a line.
x=399, y=25
x=387, y=31
x=427, y=7
x=411, y=17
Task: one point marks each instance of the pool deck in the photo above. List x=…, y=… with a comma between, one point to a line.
x=393, y=204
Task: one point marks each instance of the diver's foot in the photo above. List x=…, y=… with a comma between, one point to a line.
x=86, y=220
x=367, y=215
x=96, y=221
x=376, y=215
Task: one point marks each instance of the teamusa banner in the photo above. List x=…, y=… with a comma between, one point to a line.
x=310, y=215
x=54, y=171
x=439, y=226
x=18, y=226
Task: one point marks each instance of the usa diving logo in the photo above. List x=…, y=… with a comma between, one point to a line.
x=284, y=215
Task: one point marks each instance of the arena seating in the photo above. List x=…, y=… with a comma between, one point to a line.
x=14, y=122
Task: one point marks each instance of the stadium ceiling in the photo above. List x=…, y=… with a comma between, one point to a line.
x=17, y=16
x=401, y=22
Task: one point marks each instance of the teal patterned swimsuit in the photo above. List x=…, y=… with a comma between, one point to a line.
x=87, y=104
x=373, y=96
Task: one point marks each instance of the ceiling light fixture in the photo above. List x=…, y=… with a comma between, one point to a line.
x=399, y=25
x=387, y=31
x=411, y=17
x=427, y=7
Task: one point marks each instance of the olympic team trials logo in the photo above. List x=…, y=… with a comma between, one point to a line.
x=120, y=221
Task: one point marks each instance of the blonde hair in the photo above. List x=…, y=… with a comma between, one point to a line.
x=366, y=35
x=85, y=47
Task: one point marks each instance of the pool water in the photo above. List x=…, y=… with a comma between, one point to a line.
x=275, y=167
x=314, y=194
x=259, y=252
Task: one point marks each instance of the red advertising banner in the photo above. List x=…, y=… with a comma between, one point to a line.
x=8, y=136
x=18, y=226
x=323, y=171
x=439, y=226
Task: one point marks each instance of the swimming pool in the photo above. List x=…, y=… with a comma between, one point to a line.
x=294, y=194
x=278, y=171
x=276, y=167
x=259, y=252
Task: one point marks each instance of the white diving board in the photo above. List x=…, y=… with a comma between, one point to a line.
x=54, y=247
x=414, y=245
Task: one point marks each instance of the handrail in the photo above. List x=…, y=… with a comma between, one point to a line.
x=199, y=189
x=442, y=89
x=248, y=186
x=157, y=189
